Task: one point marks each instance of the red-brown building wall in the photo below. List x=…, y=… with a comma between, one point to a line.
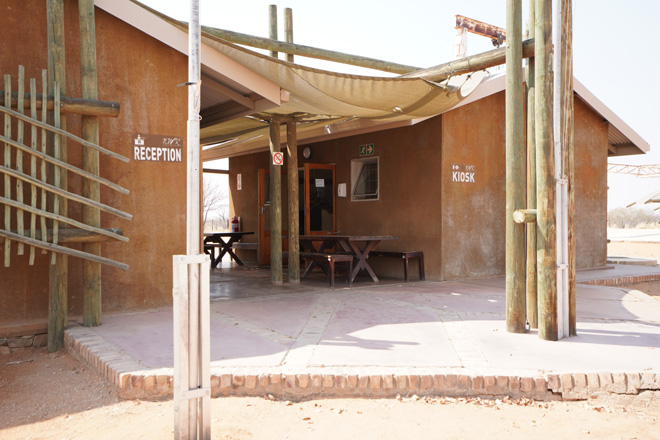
x=141, y=74
x=458, y=225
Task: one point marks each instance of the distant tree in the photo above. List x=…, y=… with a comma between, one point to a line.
x=632, y=218
x=215, y=204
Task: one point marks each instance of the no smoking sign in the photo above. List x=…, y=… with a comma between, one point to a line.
x=278, y=158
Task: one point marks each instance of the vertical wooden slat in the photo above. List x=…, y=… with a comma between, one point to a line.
x=180, y=324
x=90, y=162
x=545, y=175
x=33, y=165
x=532, y=300
x=568, y=152
x=44, y=149
x=193, y=344
x=515, y=171
x=8, y=165
x=294, y=208
x=205, y=350
x=20, y=215
x=275, y=207
x=57, y=172
x=58, y=272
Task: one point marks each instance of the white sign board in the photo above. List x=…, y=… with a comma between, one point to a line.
x=278, y=158
x=463, y=173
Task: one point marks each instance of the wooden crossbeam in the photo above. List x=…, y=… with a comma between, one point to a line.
x=68, y=105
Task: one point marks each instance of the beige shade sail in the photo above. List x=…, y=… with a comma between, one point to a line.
x=322, y=97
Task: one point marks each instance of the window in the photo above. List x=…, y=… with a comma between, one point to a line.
x=364, y=176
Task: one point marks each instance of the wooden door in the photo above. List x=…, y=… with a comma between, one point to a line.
x=320, y=199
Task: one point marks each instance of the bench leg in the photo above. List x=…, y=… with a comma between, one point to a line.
x=421, y=268
x=350, y=272
x=405, y=268
x=331, y=262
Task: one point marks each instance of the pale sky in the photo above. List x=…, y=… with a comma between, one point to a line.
x=613, y=56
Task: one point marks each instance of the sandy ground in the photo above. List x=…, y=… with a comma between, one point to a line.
x=52, y=396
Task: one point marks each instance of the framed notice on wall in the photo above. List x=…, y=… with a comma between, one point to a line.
x=157, y=148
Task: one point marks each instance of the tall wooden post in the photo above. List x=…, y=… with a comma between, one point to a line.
x=545, y=175
x=515, y=171
x=294, y=208
x=272, y=27
x=292, y=176
x=567, y=125
x=275, y=207
x=58, y=271
x=532, y=300
x=288, y=30
x=90, y=162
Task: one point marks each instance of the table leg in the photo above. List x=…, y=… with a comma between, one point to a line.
x=361, y=257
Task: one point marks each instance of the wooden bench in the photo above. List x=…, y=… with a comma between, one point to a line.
x=328, y=261
x=407, y=255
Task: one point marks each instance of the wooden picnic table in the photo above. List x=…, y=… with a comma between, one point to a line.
x=359, y=246
x=211, y=238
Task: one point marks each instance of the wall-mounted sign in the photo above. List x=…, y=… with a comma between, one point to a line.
x=278, y=158
x=239, y=182
x=157, y=148
x=366, y=150
x=462, y=173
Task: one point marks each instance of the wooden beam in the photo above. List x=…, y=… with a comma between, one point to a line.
x=524, y=215
x=67, y=236
x=531, y=279
x=496, y=34
x=74, y=106
x=469, y=64
x=545, y=175
x=275, y=207
x=62, y=251
x=515, y=172
x=306, y=51
x=212, y=171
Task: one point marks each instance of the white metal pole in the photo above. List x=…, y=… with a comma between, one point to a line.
x=193, y=242
x=561, y=200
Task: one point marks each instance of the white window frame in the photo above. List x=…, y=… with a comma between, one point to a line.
x=357, y=166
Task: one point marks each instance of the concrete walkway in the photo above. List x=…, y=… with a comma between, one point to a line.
x=388, y=338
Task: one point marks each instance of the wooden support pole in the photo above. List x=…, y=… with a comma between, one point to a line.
x=58, y=272
x=515, y=171
x=294, y=208
x=7, y=132
x=272, y=27
x=90, y=162
x=288, y=30
x=532, y=299
x=275, y=207
x=19, y=157
x=567, y=130
x=545, y=175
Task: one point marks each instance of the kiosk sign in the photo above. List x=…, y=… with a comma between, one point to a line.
x=462, y=173
x=157, y=148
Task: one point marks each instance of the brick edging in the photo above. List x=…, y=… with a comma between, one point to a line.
x=134, y=381
x=622, y=280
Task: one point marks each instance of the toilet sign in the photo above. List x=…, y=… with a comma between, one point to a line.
x=463, y=173
x=278, y=158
